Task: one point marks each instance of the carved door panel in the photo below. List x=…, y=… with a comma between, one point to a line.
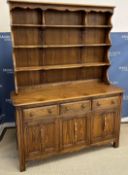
x=74, y=131
x=67, y=132
x=41, y=137
x=82, y=129
x=103, y=125
x=49, y=135
x=32, y=139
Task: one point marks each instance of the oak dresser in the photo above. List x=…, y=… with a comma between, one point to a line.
x=63, y=99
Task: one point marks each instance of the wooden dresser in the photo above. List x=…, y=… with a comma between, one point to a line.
x=63, y=99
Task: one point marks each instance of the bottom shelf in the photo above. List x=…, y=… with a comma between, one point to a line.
x=34, y=78
x=60, y=92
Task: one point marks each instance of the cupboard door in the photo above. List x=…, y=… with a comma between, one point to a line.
x=67, y=132
x=82, y=128
x=74, y=131
x=41, y=137
x=49, y=135
x=103, y=125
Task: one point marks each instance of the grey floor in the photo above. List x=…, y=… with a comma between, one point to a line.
x=95, y=161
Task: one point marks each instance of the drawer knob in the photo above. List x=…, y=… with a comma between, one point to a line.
x=49, y=111
x=83, y=106
x=98, y=104
x=66, y=109
x=112, y=102
x=31, y=114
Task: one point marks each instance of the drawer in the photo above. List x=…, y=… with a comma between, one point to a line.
x=105, y=102
x=82, y=106
x=39, y=112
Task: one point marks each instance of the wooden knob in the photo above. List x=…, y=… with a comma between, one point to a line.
x=49, y=111
x=31, y=114
x=83, y=106
x=112, y=102
x=97, y=104
x=65, y=109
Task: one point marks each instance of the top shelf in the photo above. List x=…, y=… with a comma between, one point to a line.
x=61, y=26
x=62, y=3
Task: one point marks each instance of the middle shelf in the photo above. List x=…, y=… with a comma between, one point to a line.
x=54, y=37
x=59, y=46
x=65, y=66
x=61, y=26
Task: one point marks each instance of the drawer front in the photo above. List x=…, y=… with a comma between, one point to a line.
x=39, y=112
x=75, y=107
x=105, y=102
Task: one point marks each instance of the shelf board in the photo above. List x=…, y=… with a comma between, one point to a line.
x=61, y=26
x=59, y=46
x=55, y=67
x=98, y=26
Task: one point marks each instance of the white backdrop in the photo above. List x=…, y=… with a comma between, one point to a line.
x=119, y=19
